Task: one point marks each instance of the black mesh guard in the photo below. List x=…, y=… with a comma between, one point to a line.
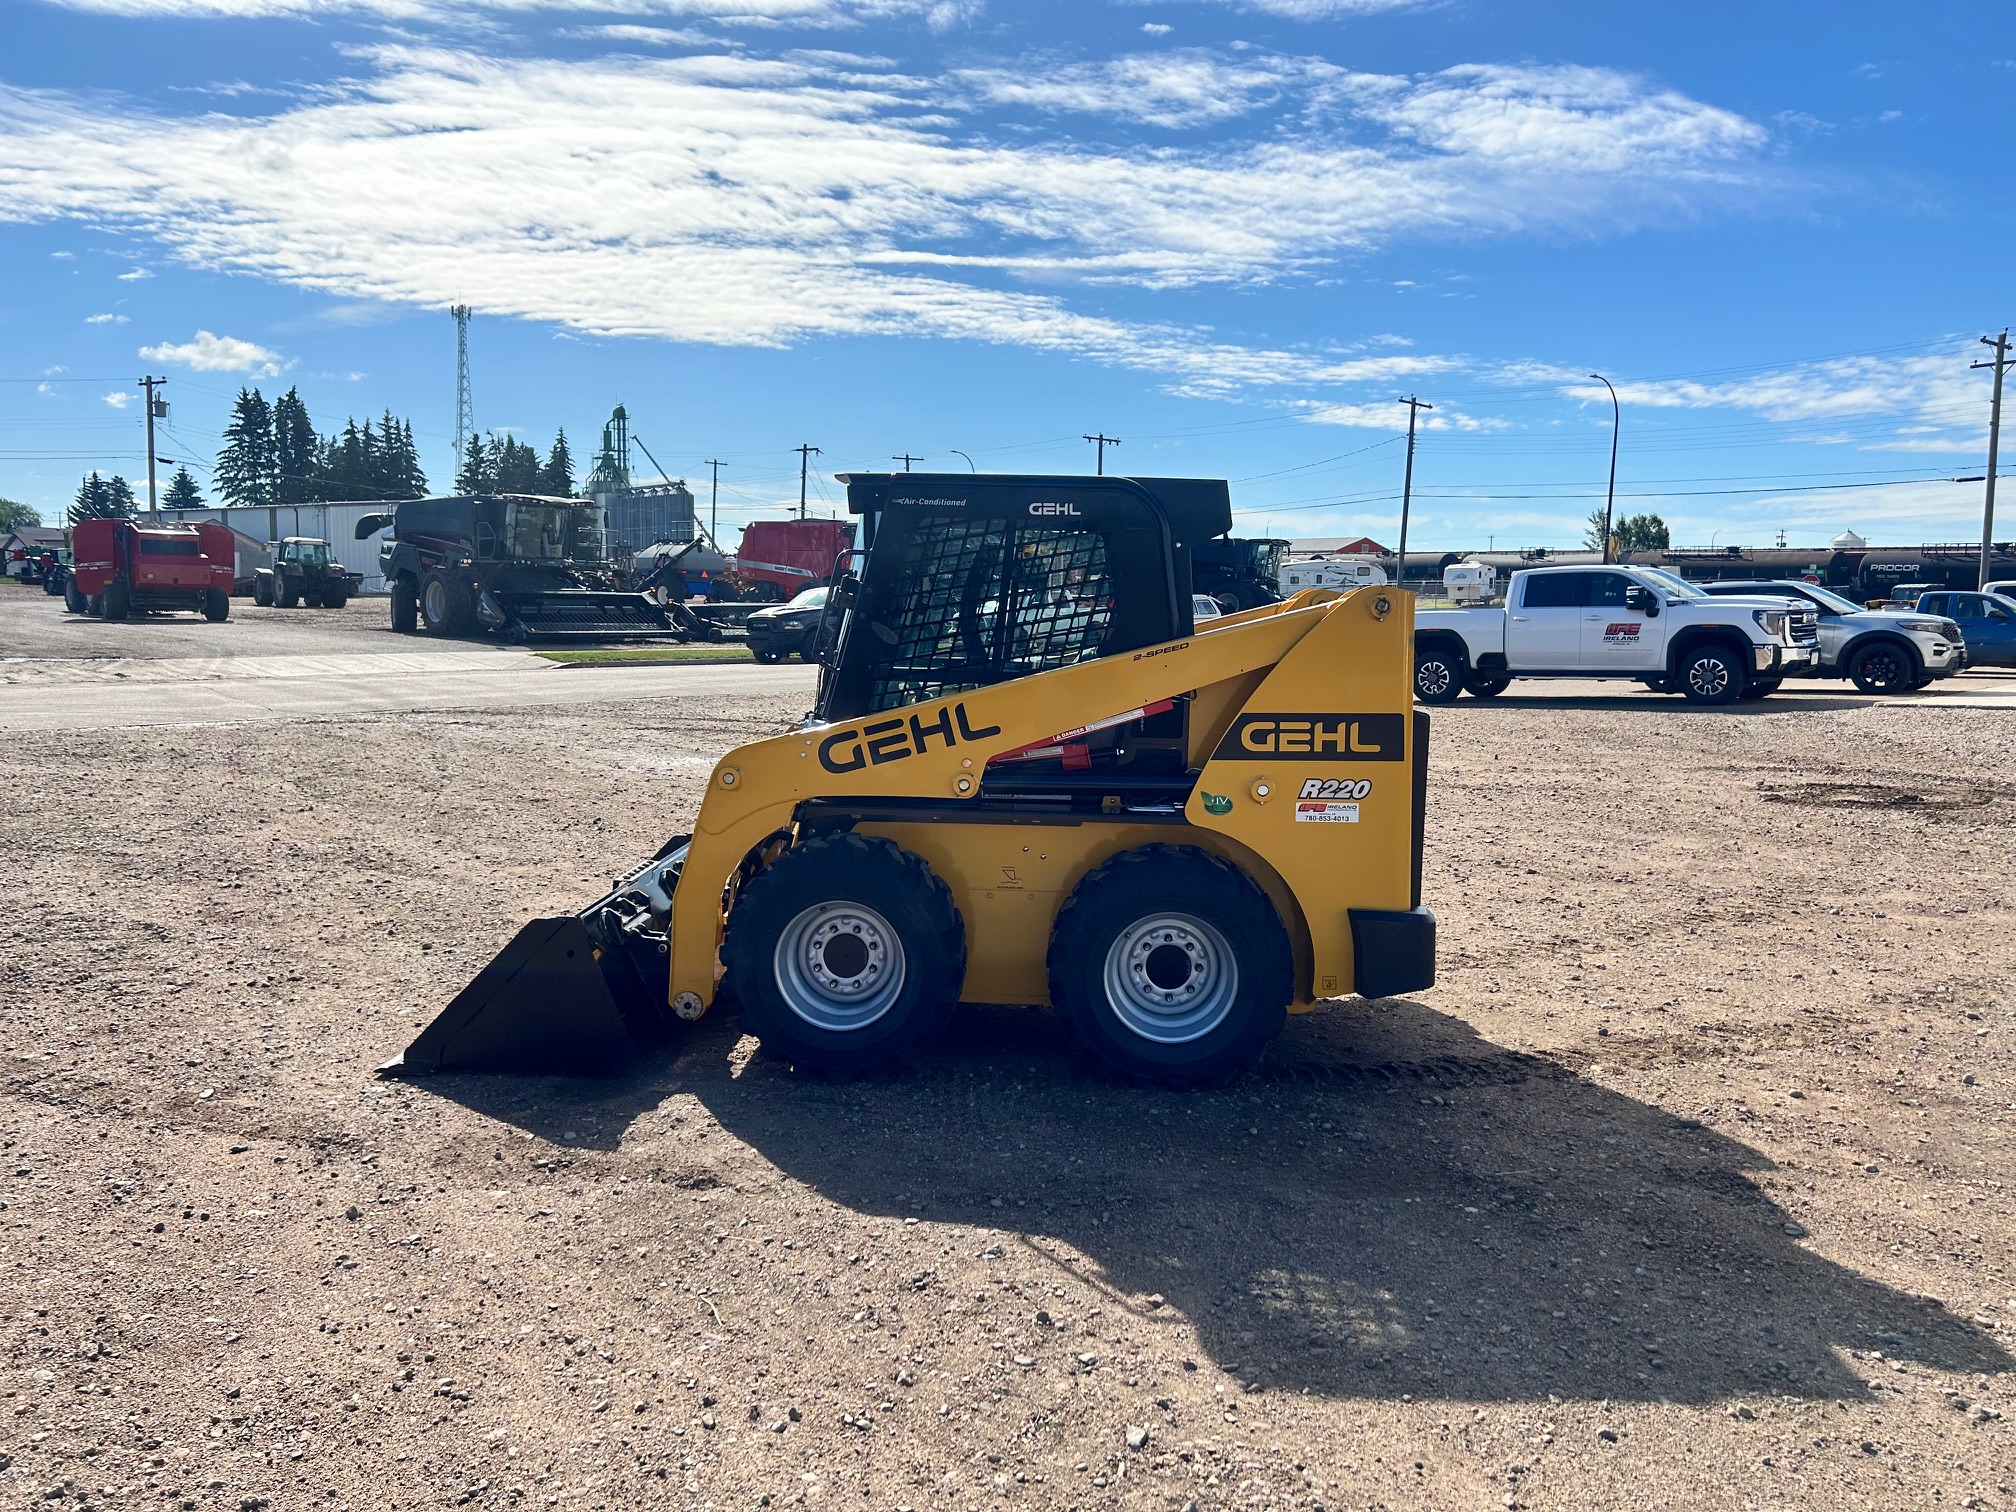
x=985, y=600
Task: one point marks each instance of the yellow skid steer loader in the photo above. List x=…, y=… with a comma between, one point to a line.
x=1030, y=778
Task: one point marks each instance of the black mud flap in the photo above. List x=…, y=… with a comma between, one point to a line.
x=549, y=1003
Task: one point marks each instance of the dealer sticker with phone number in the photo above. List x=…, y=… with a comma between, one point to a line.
x=1326, y=813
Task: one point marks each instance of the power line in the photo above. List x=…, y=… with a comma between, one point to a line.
x=1103, y=440
x=805, y=455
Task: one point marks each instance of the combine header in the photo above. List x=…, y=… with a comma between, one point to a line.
x=1030, y=778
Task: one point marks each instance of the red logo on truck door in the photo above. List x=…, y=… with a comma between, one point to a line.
x=1621, y=633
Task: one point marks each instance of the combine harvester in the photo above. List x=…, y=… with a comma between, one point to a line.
x=524, y=567
x=1030, y=778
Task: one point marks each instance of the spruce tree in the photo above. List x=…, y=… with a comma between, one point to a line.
x=119, y=501
x=556, y=479
x=473, y=476
x=90, y=501
x=294, y=451
x=245, y=467
x=182, y=492
x=413, y=481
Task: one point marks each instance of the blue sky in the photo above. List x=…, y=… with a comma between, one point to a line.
x=1229, y=232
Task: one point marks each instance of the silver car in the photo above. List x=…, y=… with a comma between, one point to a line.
x=1880, y=650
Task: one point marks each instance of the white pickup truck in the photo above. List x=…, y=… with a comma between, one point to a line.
x=1640, y=623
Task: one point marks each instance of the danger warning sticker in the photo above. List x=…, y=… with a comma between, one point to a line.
x=1326, y=813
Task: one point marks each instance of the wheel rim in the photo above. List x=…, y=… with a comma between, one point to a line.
x=1432, y=679
x=1709, y=677
x=839, y=966
x=1171, y=978
x=436, y=599
x=1883, y=669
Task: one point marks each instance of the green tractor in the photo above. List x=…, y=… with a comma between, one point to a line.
x=303, y=570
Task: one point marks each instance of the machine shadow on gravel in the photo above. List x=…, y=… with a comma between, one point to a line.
x=1391, y=1204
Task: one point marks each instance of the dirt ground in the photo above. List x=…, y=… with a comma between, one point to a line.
x=1687, y=1186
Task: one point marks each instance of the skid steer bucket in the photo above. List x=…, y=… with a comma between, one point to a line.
x=576, y=995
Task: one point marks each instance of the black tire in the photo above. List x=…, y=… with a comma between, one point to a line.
x=1232, y=601
x=335, y=599
x=262, y=592
x=1884, y=668
x=73, y=598
x=118, y=599
x=1157, y=922
x=286, y=592
x=1488, y=684
x=1438, y=675
x=768, y=658
x=405, y=604
x=216, y=605
x=807, y=651
x=1712, y=674
x=444, y=604
x=803, y=946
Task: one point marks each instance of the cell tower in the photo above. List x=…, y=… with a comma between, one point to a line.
x=465, y=408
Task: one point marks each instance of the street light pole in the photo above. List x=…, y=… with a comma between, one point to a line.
x=1610, y=498
x=1414, y=407
x=2001, y=364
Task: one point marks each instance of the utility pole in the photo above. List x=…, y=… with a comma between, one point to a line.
x=1414, y=407
x=805, y=456
x=1610, y=498
x=714, y=505
x=2000, y=364
x=1104, y=442
x=465, y=408
x=158, y=409
x=906, y=459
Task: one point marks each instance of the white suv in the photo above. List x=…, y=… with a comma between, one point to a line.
x=1881, y=650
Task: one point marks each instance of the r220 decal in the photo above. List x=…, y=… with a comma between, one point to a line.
x=1336, y=787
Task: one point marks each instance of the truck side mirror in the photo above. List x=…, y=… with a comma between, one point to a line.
x=1642, y=599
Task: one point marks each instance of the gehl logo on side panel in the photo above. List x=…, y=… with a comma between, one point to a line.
x=1314, y=737
x=887, y=740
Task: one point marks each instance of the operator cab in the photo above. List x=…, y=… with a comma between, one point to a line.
x=966, y=581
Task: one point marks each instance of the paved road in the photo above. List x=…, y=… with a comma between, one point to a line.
x=120, y=694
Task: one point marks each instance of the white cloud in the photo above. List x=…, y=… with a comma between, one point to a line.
x=1156, y=28
x=105, y=317
x=136, y=275
x=210, y=353
x=118, y=399
x=939, y=15
x=771, y=200
x=1173, y=89
x=1941, y=406
x=1319, y=10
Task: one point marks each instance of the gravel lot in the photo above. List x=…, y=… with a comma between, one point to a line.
x=1688, y=1186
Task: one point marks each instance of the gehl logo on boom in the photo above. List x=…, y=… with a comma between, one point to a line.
x=1314, y=737
x=889, y=740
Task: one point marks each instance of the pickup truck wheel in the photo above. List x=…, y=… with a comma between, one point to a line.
x=1712, y=675
x=1488, y=685
x=846, y=954
x=1438, y=676
x=1171, y=967
x=768, y=658
x=1883, y=668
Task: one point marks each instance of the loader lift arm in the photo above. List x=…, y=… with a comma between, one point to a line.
x=1030, y=778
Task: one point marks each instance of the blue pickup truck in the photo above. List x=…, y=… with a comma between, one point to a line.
x=1987, y=623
